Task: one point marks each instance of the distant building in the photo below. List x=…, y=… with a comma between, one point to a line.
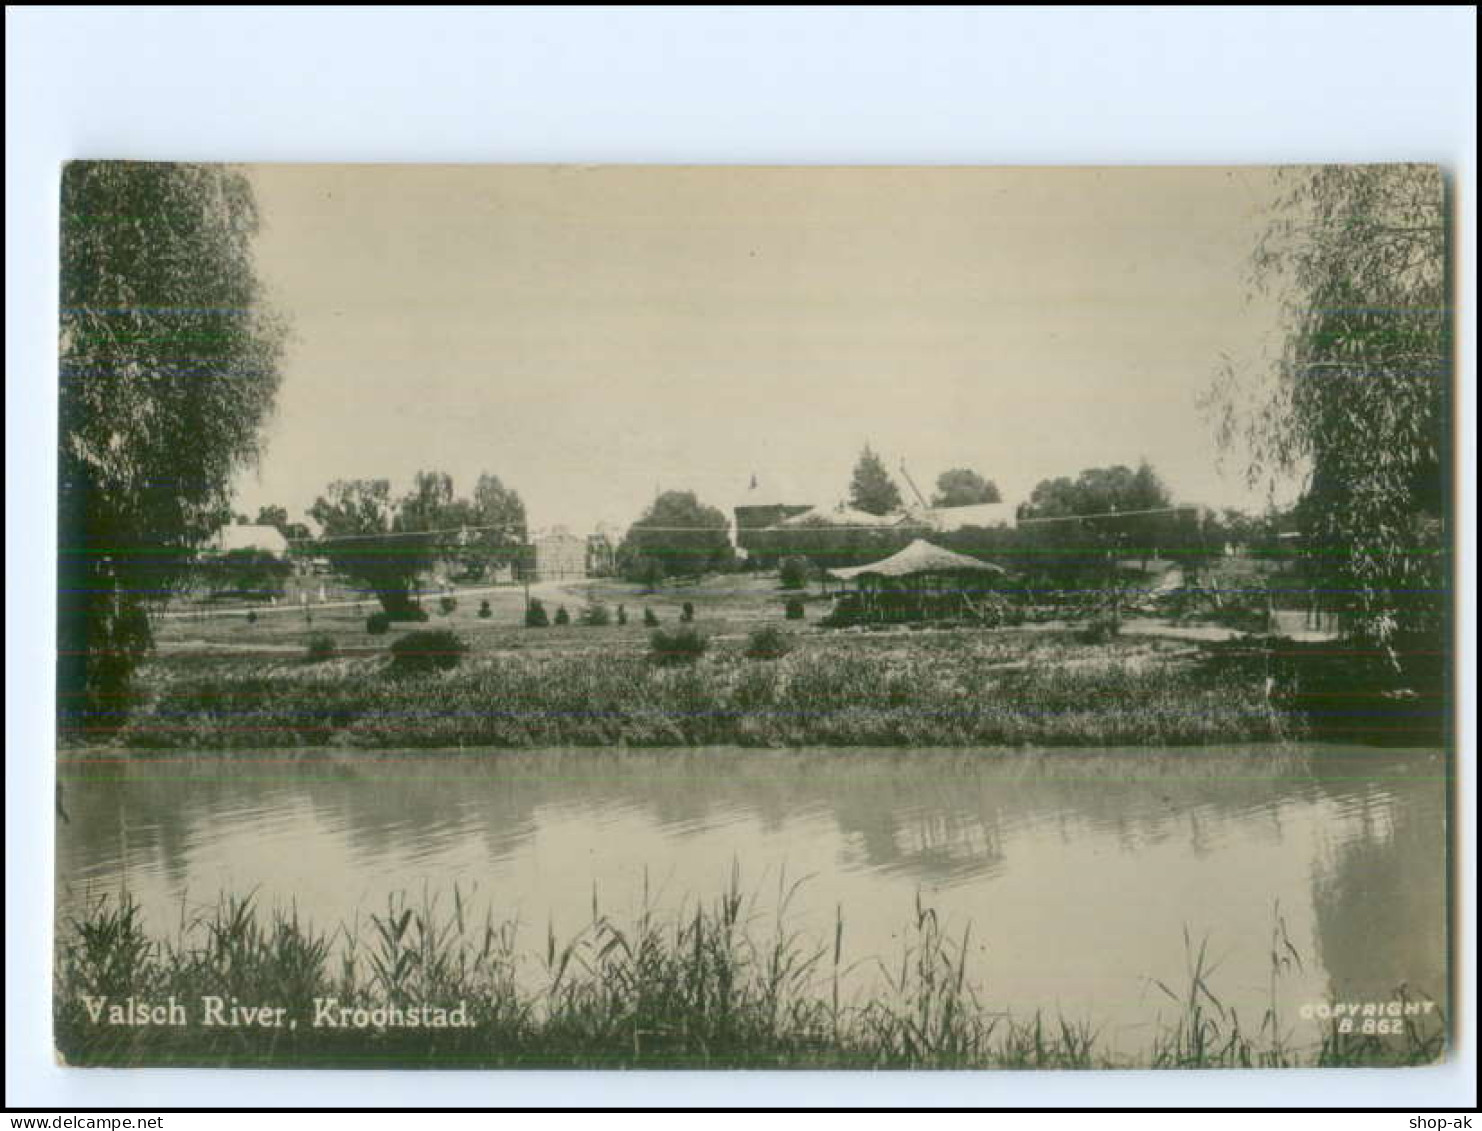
x=560, y=555
x=945, y=520
x=765, y=503
x=843, y=516
x=601, y=554
x=241, y=536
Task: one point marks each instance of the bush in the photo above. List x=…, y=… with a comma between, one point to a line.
x=596, y=616
x=649, y=618
x=1099, y=631
x=447, y=604
x=794, y=609
x=622, y=615
x=562, y=616
x=377, y=624
x=535, y=614
x=767, y=644
x=321, y=647
x=648, y=571
x=484, y=611
x=408, y=613
x=687, y=612
x=424, y=651
x=795, y=572
x=682, y=646
x=848, y=609
x=251, y=616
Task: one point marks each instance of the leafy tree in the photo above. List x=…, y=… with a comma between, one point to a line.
x=795, y=572
x=641, y=568
x=1098, y=491
x=963, y=487
x=274, y=516
x=249, y=571
x=680, y=533
x=168, y=368
x=1111, y=503
x=871, y=489
x=1357, y=405
x=428, y=506
x=499, y=513
x=490, y=528
x=357, y=519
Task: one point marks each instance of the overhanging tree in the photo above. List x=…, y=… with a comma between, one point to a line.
x=1357, y=404
x=168, y=367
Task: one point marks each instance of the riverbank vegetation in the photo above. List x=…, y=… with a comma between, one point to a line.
x=867, y=689
x=712, y=984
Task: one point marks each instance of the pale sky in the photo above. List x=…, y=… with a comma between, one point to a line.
x=591, y=335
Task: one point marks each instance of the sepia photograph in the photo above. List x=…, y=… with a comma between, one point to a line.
x=754, y=617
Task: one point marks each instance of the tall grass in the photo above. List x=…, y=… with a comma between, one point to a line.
x=716, y=982
x=926, y=692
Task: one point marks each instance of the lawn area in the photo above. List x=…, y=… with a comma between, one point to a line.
x=726, y=605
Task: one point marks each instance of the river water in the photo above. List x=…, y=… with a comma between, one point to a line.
x=1080, y=873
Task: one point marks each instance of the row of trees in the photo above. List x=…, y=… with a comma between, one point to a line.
x=387, y=543
x=872, y=490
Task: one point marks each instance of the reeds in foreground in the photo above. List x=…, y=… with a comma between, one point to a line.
x=715, y=983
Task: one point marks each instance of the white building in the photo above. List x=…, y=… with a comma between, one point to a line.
x=267, y=539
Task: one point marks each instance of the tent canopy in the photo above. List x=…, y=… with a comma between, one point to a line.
x=919, y=557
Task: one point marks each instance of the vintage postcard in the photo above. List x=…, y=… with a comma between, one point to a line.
x=745, y=617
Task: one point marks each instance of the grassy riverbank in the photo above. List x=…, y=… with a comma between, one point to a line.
x=713, y=985
x=911, y=689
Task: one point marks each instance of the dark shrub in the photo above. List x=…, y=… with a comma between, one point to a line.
x=562, y=616
x=596, y=616
x=847, y=610
x=648, y=571
x=687, y=612
x=251, y=616
x=767, y=644
x=622, y=615
x=649, y=618
x=682, y=646
x=447, y=604
x=484, y=611
x=794, y=609
x=426, y=650
x=535, y=614
x=321, y=647
x=1099, y=631
x=377, y=623
x=795, y=572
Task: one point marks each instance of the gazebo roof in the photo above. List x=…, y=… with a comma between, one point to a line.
x=919, y=557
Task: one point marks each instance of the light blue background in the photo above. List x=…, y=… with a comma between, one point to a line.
x=878, y=86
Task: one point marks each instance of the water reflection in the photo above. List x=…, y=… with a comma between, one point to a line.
x=1079, y=872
